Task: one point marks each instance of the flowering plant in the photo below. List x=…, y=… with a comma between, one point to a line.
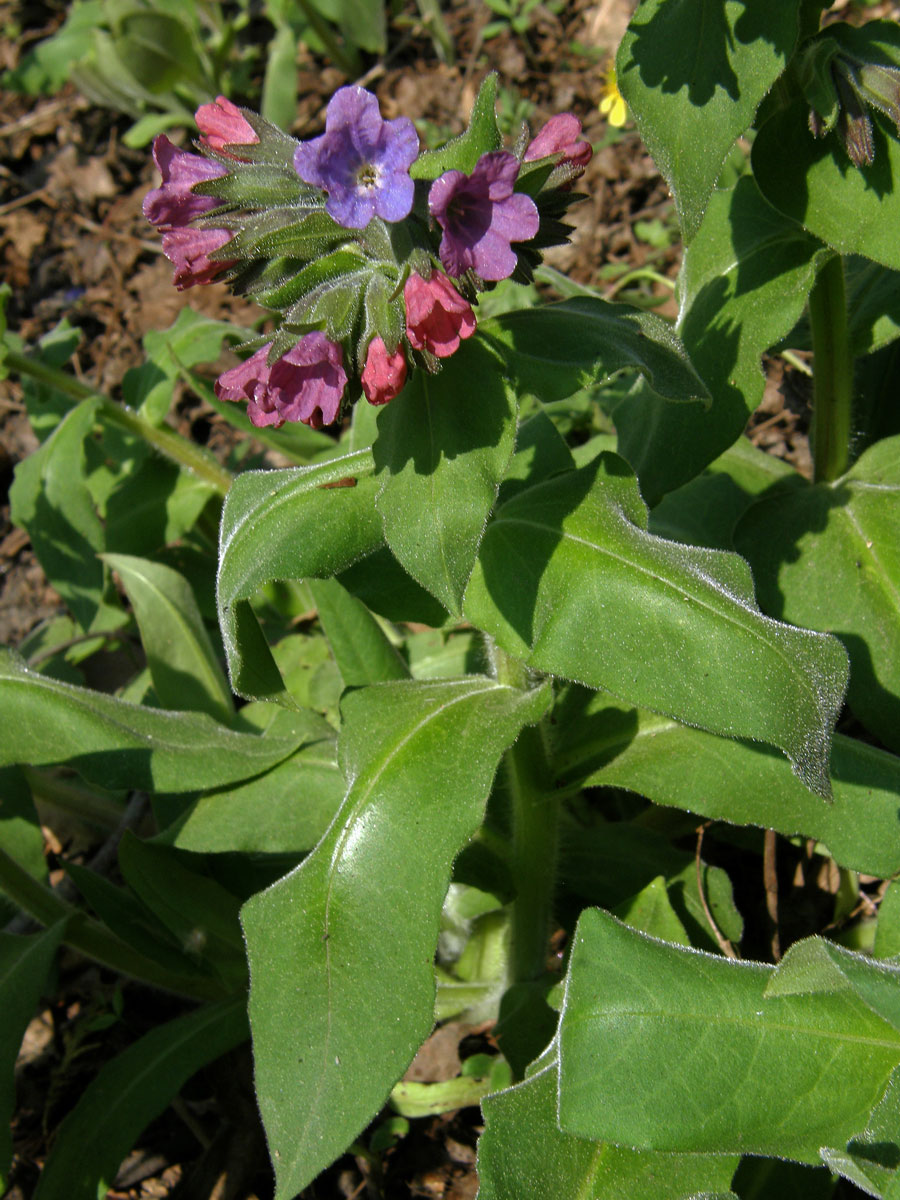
x=553, y=689
x=369, y=253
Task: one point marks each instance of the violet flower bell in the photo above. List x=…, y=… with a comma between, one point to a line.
x=384, y=374
x=306, y=384
x=481, y=215
x=437, y=316
x=222, y=124
x=561, y=135
x=189, y=249
x=361, y=161
x=174, y=204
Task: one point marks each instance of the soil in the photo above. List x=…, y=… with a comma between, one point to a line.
x=73, y=244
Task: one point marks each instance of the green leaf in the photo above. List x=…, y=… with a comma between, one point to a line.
x=139, y=1083
x=50, y=499
x=693, y=73
x=828, y=557
x=743, y=286
x=346, y=942
x=307, y=522
x=279, y=92
x=705, y=511
x=556, y=350
x=359, y=645
x=524, y=1153
x=651, y=912
x=24, y=965
x=748, y=1070
x=673, y=628
x=284, y=811
x=610, y=745
x=442, y=449
x=854, y=209
x=462, y=153
x=121, y=745
x=153, y=506
x=183, y=665
x=20, y=829
x=199, y=913
x=872, y=1156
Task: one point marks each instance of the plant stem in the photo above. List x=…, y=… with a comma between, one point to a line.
x=92, y=939
x=163, y=438
x=535, y=837
x=832, y=373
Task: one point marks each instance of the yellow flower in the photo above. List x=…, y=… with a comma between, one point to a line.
x=612, y=106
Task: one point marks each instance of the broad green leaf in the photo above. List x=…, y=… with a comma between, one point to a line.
x=887, y=935
x=129, y=1092
x=611, y=862
x=364, y=22
x=192, y=338
x=743, y=286
x=387, y=589
x=20, y=829
x=183, y=664
x=855, y=210
x=24, y=965
x=442, y=449
x=873, y=305
x=463, y=152
x=651, y=912
x=346, y=941
x=815, y=966
x=45, y=404
x=747, y=1071
x=49, y=498
x=693, y=73
x=286, y=810
x=871, y=1158
x=705, y=511
x=362, y=651
x=673, y=628
x=121, y=745
x=305, y=522
x=611, y=745
x=200, y=914
x=828, y=557
x=153, y=506
x=523, y=1153
x=556, y=350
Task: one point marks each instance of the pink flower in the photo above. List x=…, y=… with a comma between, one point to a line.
x=561, y=136
x=481, y=215
x=189, y=249
x=384, y=374
x=222, y=124
x=437, y=317
x=174, y=204
x=306, y=384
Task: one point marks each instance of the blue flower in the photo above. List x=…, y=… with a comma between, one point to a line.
x=361, y=161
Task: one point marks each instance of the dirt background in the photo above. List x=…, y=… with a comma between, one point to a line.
x=73, y=243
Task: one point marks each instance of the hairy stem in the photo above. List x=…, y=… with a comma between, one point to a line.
x=163, y=438
x=535, y=837
x=833, y=373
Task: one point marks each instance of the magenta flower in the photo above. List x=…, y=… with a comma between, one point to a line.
x=384, y=374
x=174, y=204
x=306, y=384
x=361, y=161
x=481, y=215
x=437, y=317
x=189, y=249
x=222, y=124
x=561, y=135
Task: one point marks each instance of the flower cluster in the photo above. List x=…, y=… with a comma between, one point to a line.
x=370, y=254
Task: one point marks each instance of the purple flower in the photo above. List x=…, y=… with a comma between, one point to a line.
x=481, y=215
x=189, y=249
x=306, y=384
x=561, y=135
x=361, y=161
x=174, y=204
